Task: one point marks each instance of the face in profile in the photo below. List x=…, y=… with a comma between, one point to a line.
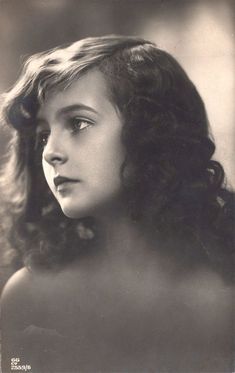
x=80, y=131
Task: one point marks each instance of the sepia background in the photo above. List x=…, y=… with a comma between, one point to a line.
x=199, y=33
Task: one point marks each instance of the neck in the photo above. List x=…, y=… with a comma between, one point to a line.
x=120, y=236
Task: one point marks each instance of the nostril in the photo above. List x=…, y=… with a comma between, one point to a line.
x=55, y=150
x=54, y=158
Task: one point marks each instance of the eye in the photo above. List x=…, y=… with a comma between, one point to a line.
x=41, y=139
x=78, y=124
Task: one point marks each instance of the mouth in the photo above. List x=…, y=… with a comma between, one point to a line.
x=61, y=180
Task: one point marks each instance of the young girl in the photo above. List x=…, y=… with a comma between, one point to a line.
x=128, y=245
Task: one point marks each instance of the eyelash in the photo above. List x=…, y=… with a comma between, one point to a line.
x=73, y=123
x=41, y=139
x=77, y=120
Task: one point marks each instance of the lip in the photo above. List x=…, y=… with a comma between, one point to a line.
x=59, y=180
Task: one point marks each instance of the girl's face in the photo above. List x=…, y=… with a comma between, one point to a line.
x=80, y=131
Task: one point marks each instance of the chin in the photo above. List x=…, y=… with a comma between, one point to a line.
x=73, y=213
x=78, y=211
x=82, y=210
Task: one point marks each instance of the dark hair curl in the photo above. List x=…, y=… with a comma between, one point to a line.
x=168, y=176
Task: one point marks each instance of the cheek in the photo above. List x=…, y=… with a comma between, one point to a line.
x=108, y=161
x=45, y=168
x=46, y=172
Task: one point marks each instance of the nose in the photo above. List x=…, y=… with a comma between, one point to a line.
x=54, y=152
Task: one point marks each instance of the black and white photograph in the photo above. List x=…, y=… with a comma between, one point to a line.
x=117, y=186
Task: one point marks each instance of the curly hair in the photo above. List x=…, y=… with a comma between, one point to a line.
x=168, y=175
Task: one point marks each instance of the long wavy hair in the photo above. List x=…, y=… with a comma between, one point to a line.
x=173, y=184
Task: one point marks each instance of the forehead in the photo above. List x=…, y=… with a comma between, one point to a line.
x=89, y=90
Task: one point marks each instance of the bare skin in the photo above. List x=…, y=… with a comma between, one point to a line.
x=119, y=311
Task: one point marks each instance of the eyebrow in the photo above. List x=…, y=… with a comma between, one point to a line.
x=74, y=107
x=68, y=109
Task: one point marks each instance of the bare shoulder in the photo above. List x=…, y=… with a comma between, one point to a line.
x=17, y=286
x=16, y=298
x=210, y=297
